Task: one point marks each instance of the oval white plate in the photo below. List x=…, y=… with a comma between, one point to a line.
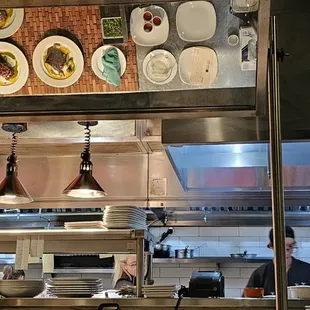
x=16, y=22
x=158, y=35
x=23, y=68
x=40, y=70
x=96, y=61
x=173, y=67
x=198, y=66
x=196, y=21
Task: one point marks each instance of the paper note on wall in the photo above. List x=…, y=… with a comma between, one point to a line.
x=48, y=263
x=36, y=246
x=101, y=256
x=33, y=260
x=22, y=253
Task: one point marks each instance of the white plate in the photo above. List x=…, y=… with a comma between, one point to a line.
x=40, y=70
x=96, y=61
x=163, y=59
x=198, y=66
x=14, y=24
x=23, y=69
x=196, y=21
x=158, y=35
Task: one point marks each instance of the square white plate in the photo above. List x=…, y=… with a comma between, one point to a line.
x=196, y=21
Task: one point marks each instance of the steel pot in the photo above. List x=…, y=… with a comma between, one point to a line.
x=162, y=250
x=184, y=253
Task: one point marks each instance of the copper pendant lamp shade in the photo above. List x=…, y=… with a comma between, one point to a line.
x=85, y=185
x=12, y=190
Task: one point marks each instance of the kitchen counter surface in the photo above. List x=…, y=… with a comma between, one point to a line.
x=143, y=303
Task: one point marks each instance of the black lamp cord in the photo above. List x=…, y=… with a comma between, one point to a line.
x=87, y=132
x=13, y=144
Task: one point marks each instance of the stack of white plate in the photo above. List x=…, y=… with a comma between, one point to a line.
x=159, y=291
x=74, y=287
x=124, y=217
x=84, y=225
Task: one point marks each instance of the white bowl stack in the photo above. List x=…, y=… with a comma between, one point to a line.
x=159, y=291
x=84, y=225
x=74, y=287
x=124, y=217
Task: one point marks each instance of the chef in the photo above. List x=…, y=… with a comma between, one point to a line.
x=125, y=270
x=298, y=272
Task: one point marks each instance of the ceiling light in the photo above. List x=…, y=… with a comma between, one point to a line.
x=12, y=190
x=85, y=185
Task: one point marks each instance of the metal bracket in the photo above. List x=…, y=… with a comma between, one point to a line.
x=14, y=127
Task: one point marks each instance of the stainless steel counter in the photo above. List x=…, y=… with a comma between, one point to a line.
x=142, y=303
x=229, y=67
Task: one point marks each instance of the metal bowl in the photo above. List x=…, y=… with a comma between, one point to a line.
x=21, y=288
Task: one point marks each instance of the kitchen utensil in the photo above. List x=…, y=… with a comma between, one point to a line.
x=158, y=34
x=196, y=21
x=18, y=288
x=243, y=255
x=13, y=25
x=160, y=67
x=22, y=67
x=96, y=61
x=198, y=66
x=253, y=292
x=233, y=40
x=299, y=292
x=38, y=61
x=163, y=250
x=185, y=253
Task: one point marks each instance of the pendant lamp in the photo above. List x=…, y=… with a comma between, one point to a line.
x=85, y=185
x=12, y=190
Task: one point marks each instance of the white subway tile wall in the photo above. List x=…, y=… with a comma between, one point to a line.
x=214, y=241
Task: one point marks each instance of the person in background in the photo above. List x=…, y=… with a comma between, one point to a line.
x=298, y=272
x=18, y=275
x=125, y=270
x=7, y=272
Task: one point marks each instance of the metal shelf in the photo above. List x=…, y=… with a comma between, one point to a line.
x=217, y=260
x=83, y=270
x=77, y=241
x=23, y=242
x=148, y=303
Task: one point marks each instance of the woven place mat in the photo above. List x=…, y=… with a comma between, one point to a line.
x=83, y=23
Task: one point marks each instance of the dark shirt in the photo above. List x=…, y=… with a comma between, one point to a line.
x=124, y=281
x=264, y=276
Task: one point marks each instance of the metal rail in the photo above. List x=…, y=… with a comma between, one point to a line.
x=278, y=211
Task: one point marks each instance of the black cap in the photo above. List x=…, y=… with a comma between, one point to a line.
x=289, y=233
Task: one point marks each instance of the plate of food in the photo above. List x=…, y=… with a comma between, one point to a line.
x=97, y=63
x=58, y=61
x=14, y=68
x=10, y=21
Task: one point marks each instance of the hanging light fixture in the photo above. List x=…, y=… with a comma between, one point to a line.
x=85, y=185
x=12, y=190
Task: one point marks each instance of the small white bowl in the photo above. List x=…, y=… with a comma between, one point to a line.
x=233, y=40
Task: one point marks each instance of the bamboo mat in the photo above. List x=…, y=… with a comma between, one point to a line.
x=81, y=23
